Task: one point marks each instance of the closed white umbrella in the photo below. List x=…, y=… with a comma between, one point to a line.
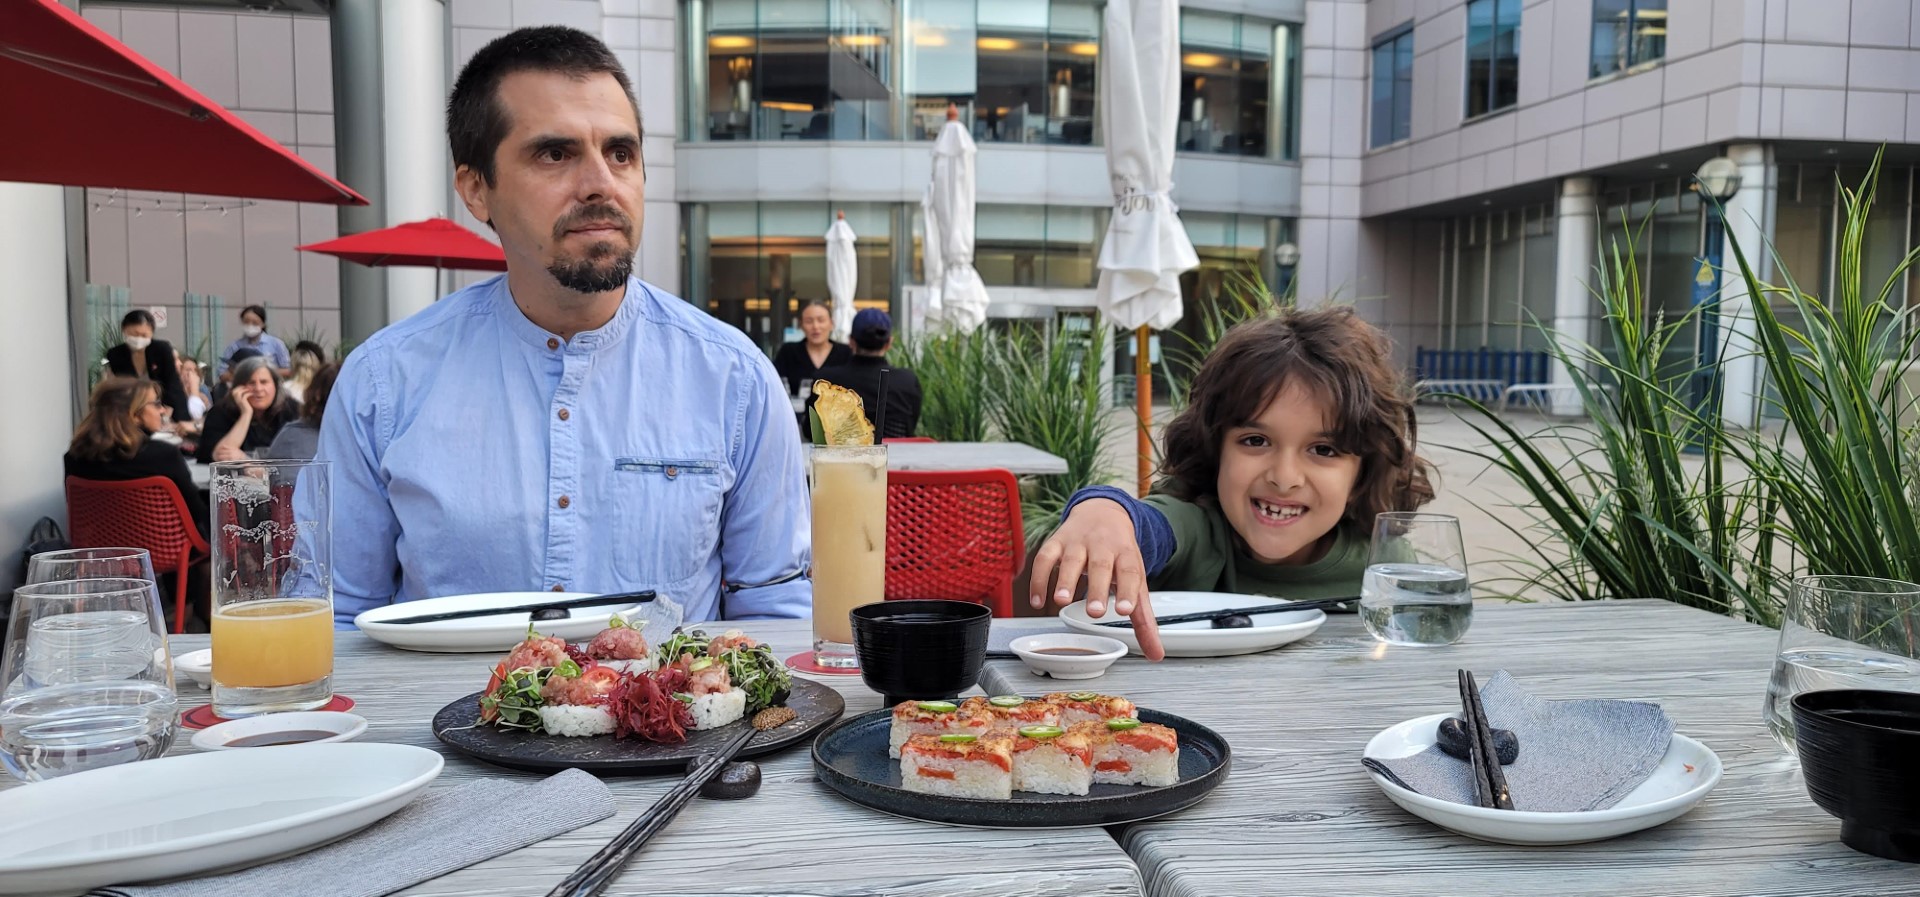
x=843, y=270
x=956, y=297
x=1146, y=247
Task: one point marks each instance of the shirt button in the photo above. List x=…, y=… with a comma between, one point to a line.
x=672, y=472
x=563, y=414
x=559, y=588
x=553, y=343
x=564, y=502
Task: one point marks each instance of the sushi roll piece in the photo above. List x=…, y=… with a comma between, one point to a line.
x=1130, y=752
x=955, y=765
x=912, y=718
x=1051, y=760
x=576, y=706
x=1009, y=712
x=1078, y=707
x=715, y=702
x=622, y=649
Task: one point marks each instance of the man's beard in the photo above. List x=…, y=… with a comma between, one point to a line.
x=605, y=266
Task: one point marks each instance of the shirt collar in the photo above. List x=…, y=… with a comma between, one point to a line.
x=536, y=336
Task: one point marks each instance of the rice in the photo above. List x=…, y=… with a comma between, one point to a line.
x=713, y=710
x=1127, y=765
x=1048, y=769
x=573, y=720
x=631, y=667
x=981, y=770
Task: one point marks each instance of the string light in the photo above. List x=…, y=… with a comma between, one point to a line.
x=178, y=205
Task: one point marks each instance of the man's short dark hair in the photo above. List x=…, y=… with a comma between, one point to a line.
x=476, y=124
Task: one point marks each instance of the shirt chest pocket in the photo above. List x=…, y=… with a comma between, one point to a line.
x=669, y=517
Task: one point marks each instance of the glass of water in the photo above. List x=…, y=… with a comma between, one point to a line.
x=87, y=679
x=1843, y=632
x=1416, y=590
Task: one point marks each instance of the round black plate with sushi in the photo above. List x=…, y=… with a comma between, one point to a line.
x=851, y=758
x=455, y=724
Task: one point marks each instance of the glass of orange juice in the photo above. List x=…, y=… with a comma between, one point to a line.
x=849, y=544
x=272, y=587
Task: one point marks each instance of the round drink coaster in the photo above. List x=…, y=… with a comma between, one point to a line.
x=803, y=662
x=202, y=716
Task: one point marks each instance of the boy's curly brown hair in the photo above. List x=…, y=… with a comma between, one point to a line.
x=1335, y=355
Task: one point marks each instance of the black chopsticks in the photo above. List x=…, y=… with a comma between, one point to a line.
x=599, y=869
x=621, y=598
x=1489, y=782
x=1198, y=616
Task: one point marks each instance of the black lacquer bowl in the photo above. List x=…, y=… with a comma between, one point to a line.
x=920, y=650
x=1857, y=750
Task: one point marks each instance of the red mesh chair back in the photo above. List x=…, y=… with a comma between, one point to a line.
x=147, y=513
x=954, y=535
x=897, y=439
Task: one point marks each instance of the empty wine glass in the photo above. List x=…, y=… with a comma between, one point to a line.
x=90, y=563
x=1416, y=590
x=87, y=682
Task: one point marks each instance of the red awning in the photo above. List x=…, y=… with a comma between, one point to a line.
x=85, y=111
x=433, y=243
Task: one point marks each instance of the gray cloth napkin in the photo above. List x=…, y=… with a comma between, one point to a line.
x=428, y=838
x=1574, y=755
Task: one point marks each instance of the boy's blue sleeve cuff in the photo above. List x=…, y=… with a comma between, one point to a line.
x=1150, y=527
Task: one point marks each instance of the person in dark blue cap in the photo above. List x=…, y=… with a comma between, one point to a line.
x=872, y=336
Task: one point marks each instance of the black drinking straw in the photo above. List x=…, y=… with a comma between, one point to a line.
x=880, y=416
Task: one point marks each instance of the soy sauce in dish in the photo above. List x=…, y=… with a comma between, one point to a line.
x=1066, y=652
x=269, y=739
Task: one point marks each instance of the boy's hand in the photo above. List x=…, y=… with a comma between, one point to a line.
x=1097, y=540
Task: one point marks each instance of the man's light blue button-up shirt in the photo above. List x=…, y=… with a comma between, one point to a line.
x=473, y=451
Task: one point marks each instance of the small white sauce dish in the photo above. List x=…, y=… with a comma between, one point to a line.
x=1085, y=657
x=281, y=728
x=196, y=665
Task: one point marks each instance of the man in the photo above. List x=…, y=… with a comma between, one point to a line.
x=872, y=336
x=565, y=426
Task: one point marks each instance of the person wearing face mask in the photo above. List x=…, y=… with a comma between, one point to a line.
x=253, y=327
x=144, y=358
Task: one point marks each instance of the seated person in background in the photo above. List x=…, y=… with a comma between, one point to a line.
x=1298, y=430
x=801, y=361
x=115, y=441
x=872, y=337
x=143, y=357
x=249, y=419
x=223, y=387
x=196, y=389
x=299, y=439
x=308, y=356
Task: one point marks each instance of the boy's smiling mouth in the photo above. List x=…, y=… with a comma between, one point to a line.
x=1277, y=513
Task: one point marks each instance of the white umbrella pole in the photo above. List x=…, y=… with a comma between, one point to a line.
x=1143, y=405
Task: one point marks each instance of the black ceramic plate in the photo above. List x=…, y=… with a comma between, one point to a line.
x=816, y=704
x=851, y=758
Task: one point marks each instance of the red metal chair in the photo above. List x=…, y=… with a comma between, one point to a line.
x=145, y=513
x=955, y=535
x=895, y=439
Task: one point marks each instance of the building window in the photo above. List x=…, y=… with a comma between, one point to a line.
x=1393, y=88
x=1627, y=33
x=1493, y=55
x=754, y=265
x=1235, y=81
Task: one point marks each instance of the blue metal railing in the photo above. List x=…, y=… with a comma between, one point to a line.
x=1509, y=366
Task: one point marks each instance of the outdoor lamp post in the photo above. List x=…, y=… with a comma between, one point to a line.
x=1717, y=180
x=1285, y=257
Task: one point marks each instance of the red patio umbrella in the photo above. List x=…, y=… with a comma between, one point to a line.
x=433, y=243
x=86, y=111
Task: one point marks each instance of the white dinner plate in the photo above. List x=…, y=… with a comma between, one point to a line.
x=474, y=634
x=1685, y=775
x=199, y=813
x=1269, y=630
